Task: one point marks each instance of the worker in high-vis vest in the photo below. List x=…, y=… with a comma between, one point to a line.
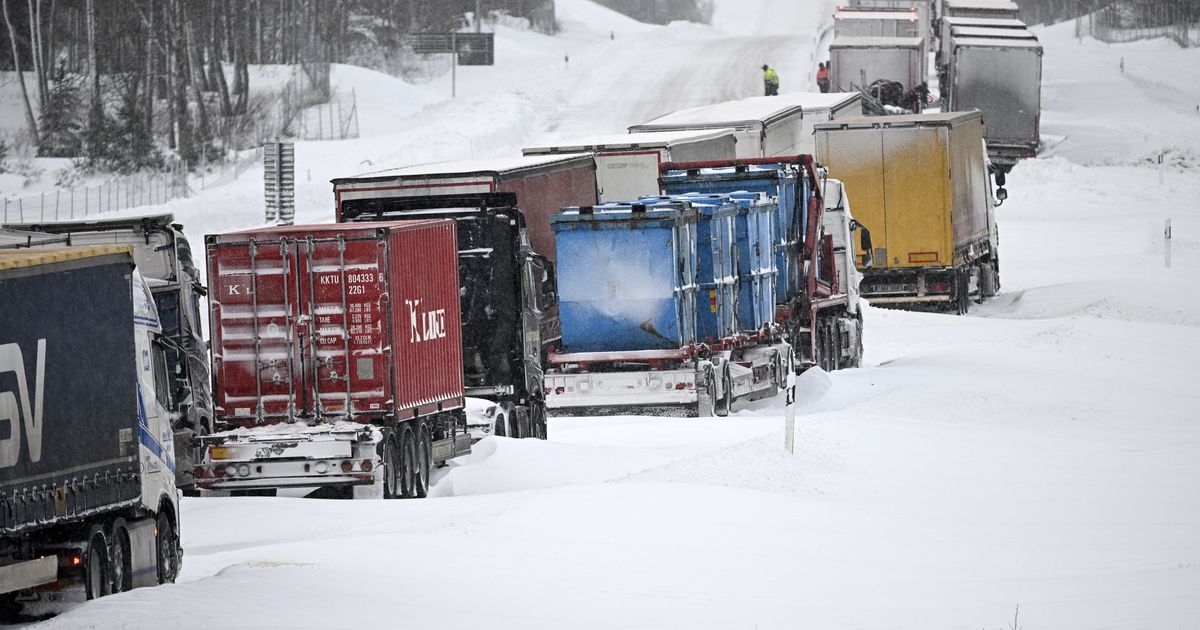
x=770, y=81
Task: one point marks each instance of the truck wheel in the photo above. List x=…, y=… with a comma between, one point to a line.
x=168, y=549
x=424, y=457
x=391, y=470
x=987, y=281
x=10, y=609
x=537, y=412
x=835, y=357
x=961, y=287
x=500, y=425
x=726, y=399
x=408, y=449
x=706, y=394
x=121, y=568
x=95, y=573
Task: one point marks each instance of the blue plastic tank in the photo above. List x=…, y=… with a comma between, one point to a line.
x=627, y=276
x=782, y=181
x=716, y=265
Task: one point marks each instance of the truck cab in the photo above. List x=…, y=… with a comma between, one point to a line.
x=164, y=258
x=508, y=297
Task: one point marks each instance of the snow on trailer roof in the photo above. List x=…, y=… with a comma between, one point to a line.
x=21, y=258
x=155, y=219
x=984, y=22
x=991, y=5
x=645, y=139
x=995, y=42
x=471, y=167
x=876, y=42
x=994, y=33
x=755, y=110
x=898, y=15
x=944, y=119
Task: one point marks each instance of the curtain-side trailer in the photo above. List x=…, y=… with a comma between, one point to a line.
x=87, y=480
x=1002, y=78
x=921, y=183
x=857, y=62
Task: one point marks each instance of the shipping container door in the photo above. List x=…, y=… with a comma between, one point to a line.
x=340, y=319
x=255, y=345
x=915, y=184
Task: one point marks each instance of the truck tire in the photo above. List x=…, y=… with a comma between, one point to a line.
x=500, y=425
x=411, y=462
x=167, y=539
x=10, y=609
x=961, y=292
x=706, y=394
x=537, y=411
x=391, y=469
x=726, y=400
x=987, y=281
x=120, y=561
x=424, y=461
x=95, y=570
x=836, y=339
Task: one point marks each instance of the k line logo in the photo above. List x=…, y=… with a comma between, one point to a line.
x=27, y=408
x=425, y=325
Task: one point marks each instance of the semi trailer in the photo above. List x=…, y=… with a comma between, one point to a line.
x=87, y=474
x=627, y=165
x=921, y=183
x=857, y=62
x=164, y=258
x=337, y=359
x=509, y=302
x=643, y=286
x=765, y=126
x=999, y=74
x=542, y=183
x=816, y=285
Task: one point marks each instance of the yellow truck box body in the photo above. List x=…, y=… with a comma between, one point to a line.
x=918, y=182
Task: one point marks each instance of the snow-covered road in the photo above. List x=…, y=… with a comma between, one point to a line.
x=1043, y=453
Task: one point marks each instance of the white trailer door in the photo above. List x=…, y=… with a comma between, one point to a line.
x=627, y=175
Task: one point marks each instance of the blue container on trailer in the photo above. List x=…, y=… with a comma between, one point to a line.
x=716, y=267
x=755, y=234
x=627, y=276
x=783, y=181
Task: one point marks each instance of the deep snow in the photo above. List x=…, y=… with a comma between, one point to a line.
x=1042, y=453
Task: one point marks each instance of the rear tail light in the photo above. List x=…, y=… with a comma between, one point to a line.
x=199, y=472
x=939, y=287
x=681, y=385
x=219, y=471
x=347, y=466
x=559, y=390
x=549, y=391
x=243, y=470
x=367, y=465
x=231, y=471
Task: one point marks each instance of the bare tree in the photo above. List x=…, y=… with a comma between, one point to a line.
x=30, y=121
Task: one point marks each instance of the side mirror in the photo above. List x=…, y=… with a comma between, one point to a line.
x=549, y=288
x=1001, y=196
x=864, y=243
x=1000, y=178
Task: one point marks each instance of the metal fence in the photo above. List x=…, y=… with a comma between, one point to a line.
x=115, y=194
x=1135, y=20
x=335, y=120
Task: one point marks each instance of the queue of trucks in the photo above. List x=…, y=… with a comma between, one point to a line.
x=985, y=59
x=683, y=268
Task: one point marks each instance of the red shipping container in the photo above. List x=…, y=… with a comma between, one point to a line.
x=335, y=322
x=544, y=184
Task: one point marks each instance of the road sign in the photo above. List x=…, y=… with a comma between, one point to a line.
x=469, y=49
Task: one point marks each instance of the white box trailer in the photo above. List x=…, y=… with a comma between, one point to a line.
x=947, y=25
x=924, y=8
x=879, y=23
x=1002, y=78
x=627, y=165
x=765, y=126
x=980, y=8
x=859, y=61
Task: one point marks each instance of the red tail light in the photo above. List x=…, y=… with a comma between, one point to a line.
x=681, y=385
x=199, y=472
x=219, y=471
x=347, y=466
x=939, y=287
x=559, y=390
x=549, y=391
x=367, y=465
